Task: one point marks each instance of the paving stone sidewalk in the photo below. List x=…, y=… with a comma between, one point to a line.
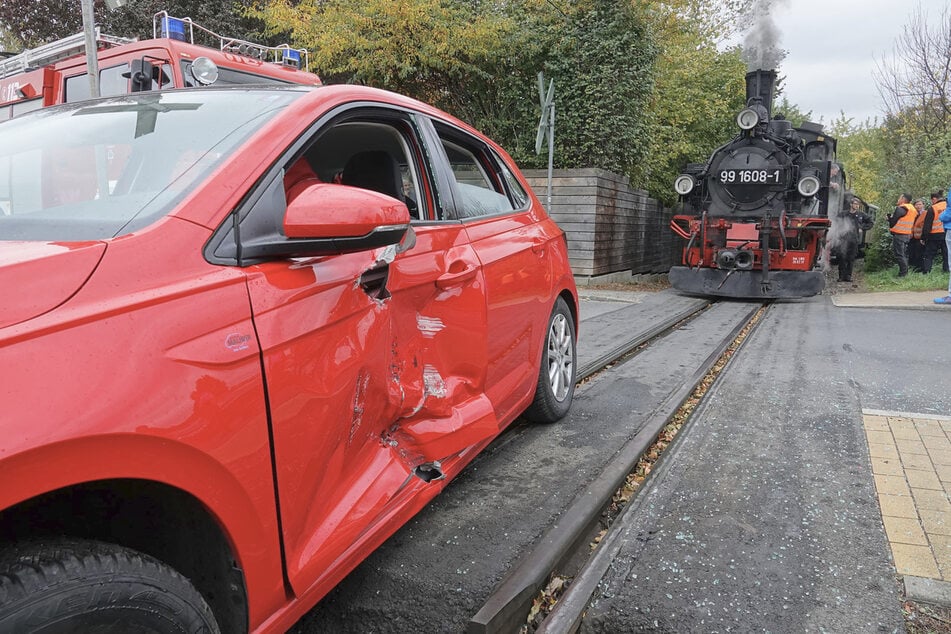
x=911, y=463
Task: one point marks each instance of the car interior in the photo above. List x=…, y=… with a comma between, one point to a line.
x=370, y=155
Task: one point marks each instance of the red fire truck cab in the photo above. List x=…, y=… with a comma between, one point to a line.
x=180, y=54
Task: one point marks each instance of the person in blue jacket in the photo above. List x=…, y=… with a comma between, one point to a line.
x=945, y=218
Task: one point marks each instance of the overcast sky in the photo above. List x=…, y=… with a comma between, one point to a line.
x=833, y=47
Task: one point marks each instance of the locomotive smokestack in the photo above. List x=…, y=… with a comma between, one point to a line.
x=759, y=86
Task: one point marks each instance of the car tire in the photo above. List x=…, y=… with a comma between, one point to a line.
x=556, y=376
x=74, y=585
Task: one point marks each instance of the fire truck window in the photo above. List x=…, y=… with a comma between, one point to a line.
x=22, y=107
x=112, y=82
x=77, y=88
x=162, y=78
x=18, y=182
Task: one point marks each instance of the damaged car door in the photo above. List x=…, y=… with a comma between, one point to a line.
x=374, y=360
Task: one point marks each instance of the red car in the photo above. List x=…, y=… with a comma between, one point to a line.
x=247, y=334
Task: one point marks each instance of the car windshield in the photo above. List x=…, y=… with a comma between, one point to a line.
x=100, y=169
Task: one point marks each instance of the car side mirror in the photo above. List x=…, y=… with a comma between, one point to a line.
x=329, y=219
x=326, y=210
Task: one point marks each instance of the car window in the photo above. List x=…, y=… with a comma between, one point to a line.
x=100, y=169
x=519, y=197
x=477, y=191
x=373, y=154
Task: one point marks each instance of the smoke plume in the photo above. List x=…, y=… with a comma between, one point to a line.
x=761, y=44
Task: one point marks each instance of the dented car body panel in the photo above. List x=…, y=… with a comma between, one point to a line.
x=311, y=388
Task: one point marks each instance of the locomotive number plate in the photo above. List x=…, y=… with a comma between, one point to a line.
x=751, y=177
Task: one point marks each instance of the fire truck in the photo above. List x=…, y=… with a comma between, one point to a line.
x=180, y=54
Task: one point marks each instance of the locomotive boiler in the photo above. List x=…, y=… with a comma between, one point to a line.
x=755, y=215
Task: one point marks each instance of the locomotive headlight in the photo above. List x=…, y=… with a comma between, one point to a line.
x=684, y=184
x=747, y=119
x=808, y=186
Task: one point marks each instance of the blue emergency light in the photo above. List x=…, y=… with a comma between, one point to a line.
x=291, y=57
x=173, y=28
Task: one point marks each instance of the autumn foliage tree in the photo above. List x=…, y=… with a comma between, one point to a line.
x=640, y=87
x=479, y=60
x=914, y=142
x=699, y=89
x=34, y=22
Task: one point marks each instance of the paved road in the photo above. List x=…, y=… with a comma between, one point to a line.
x=435, y=573
x=766, y=518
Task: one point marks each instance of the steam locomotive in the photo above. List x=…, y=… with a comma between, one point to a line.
x=755, y=215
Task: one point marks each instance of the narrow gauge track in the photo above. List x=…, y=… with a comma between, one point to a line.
x=475, y=558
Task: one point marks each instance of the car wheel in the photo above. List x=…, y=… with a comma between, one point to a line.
x=74, y=585
x=556, y=377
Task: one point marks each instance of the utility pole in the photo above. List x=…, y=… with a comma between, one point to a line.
x=92, y=59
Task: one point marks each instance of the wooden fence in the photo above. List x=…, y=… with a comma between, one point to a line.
x=610, y=226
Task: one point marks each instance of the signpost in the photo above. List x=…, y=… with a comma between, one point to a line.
x=89, y=29
x=92, y=61
x=546, y=127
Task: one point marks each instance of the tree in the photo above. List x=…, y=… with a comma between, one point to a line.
x=230, y=18
x=35, y=22
x=479, y=60
x=713, y=21
x=698, y=90
x=791, y=111
x=413, y=47
x=8, y=41
x=603, y=67
x=912, y=145
x=916, y=81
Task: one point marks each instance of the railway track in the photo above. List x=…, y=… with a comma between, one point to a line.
x=638, y=363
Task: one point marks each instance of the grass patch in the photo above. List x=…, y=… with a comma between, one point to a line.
x=889, y=281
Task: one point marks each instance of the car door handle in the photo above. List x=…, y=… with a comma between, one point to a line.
x=538, y=246
x=455, y=279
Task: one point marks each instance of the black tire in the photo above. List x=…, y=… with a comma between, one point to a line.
x=73, y=585
x=559, y=363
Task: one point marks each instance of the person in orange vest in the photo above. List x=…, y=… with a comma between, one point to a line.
x=916, y=246
x=932, y=234
x=901, y=223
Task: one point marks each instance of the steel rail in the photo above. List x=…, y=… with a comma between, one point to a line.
x=506, y=608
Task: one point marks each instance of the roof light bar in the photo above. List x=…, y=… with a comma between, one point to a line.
x=291, y=57
x=175, y=28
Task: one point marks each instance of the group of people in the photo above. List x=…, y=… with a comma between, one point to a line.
x=920, y=233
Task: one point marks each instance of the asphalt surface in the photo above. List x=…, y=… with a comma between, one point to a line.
x=765, y=517
x=434, y=574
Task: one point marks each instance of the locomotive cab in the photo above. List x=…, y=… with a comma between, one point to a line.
x=755, y=214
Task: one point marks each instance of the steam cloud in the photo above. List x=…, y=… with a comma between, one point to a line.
x=761, y=45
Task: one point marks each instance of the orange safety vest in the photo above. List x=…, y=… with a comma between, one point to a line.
x=907, y=222
x=938, y=226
